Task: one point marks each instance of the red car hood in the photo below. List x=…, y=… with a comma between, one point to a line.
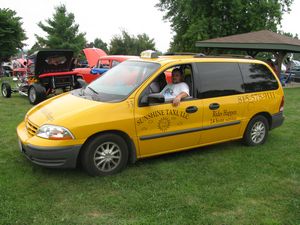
x=93, y=54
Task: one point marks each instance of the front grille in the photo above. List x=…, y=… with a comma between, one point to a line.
x=63, y=81
x=31, y=128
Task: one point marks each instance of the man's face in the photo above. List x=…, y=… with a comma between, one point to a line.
x=176, y=77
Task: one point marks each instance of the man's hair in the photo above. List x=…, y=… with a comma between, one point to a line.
x=177, y=70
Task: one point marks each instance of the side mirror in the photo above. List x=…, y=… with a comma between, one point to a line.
x=82, y=83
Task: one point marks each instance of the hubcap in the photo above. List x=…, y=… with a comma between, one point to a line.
x=32, y=95
x=258, y=132
x=4, y=90
x=107, y=156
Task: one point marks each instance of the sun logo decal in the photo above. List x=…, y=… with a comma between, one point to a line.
x=164, y=124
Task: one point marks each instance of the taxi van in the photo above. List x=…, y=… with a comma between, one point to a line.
x=120, y=117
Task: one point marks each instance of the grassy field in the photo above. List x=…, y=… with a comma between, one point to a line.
x=221, y=184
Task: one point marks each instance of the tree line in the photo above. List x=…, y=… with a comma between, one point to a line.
x=63, y=33
x=196, y=20
x=191, y=21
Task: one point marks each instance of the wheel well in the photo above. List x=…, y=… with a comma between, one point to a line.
x=266, y=115
x=129, y=142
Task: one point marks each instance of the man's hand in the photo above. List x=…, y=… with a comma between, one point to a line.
x=176, y=101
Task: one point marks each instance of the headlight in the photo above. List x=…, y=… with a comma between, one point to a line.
x=53, y=132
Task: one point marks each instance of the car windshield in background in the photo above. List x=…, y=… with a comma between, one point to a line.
x=117, y=83
x=296, y=63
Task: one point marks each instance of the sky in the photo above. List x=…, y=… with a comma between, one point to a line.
x=104, y=19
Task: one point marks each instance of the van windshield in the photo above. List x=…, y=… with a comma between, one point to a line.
x=117, y=83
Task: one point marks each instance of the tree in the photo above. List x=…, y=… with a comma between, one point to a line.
x=127, y=44
x=288, y=34
x=144, y=42
x=98, y=43
x=194, y=20
x=62, y=32
x=34, y=48
x=12, y=34
x=295, y=56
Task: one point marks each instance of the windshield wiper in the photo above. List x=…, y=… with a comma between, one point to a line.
x=93, y=90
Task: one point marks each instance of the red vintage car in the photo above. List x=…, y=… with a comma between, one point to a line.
x=109, y=61
x=99, y=65
x=102, y=64
x=92, y=56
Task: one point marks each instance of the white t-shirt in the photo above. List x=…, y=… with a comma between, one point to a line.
x=170, y=91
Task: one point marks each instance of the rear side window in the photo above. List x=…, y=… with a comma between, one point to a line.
x=219, y=79
x=257, y=77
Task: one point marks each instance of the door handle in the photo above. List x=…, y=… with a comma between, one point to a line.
x=214, y=106
x=191, y=109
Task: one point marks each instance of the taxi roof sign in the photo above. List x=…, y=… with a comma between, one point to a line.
x=150, y=54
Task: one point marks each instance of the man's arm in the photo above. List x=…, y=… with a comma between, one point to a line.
x=177, y=99
x=184, y=92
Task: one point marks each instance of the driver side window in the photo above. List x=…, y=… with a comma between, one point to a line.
x=160, y=90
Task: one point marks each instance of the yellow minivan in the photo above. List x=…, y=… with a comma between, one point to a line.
x=120, y=118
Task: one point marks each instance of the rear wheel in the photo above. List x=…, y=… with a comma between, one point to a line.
x=105, y=154
x=36, y=94
x=257, y=131
x=6, y=90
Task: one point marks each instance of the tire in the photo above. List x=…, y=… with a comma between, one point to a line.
x=36, y=93
x=104, y=155
x=6, y=90
x=257, y=131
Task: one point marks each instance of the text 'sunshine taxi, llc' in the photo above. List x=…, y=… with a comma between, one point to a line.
x=123, y=116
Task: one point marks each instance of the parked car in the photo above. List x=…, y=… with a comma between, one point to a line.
x=92, y=56
x=104, y=63
x=19, y=67
x=293, y=71
x=48, y=71
x=117, y=118
x=107, y=62
x=6, y=69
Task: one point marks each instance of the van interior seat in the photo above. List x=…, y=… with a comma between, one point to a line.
x=158, y=84
x=188, y=78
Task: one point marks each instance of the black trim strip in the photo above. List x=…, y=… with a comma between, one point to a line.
x=277, y=120
x=153, y=136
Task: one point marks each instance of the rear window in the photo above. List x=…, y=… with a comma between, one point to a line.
x=219, y=79
x=257, y=77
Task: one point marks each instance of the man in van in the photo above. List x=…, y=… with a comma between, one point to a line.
x=177, y=90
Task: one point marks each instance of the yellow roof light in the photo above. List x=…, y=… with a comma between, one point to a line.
x=150, y=54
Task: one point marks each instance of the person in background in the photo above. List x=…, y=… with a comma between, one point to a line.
x=272, y=65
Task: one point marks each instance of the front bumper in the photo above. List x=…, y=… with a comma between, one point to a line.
x=277, y=120
x=58, y=157
x=48, y=153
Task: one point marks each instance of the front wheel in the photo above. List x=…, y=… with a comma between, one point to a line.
x=6, y=90
x=257, y=131
x=105, y=154
x=36, y=94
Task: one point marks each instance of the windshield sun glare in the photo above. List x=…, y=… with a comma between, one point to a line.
x=121, y=80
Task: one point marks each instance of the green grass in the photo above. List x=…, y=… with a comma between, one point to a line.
x=221, y=184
